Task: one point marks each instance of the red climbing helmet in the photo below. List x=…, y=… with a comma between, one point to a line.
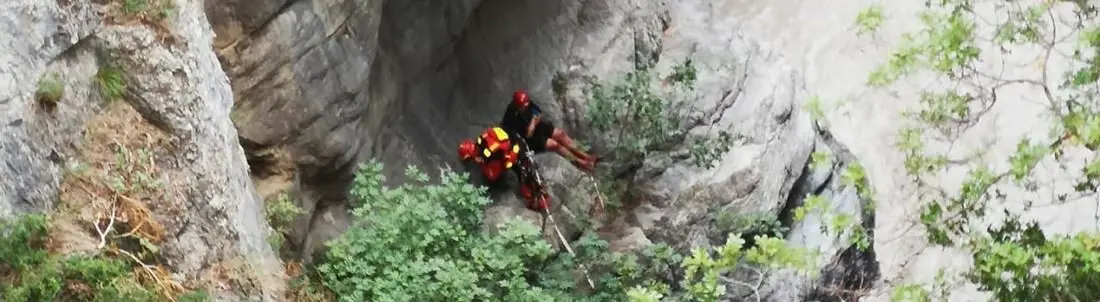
x=466, y=149
x=520, y=98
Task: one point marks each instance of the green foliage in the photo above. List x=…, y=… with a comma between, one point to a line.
x=449, y=259
x=766, y=224
x=153, y=10
x=49, y=90
x=1058, y=269
x=281, y=213
x=813, y=106
x=112, y=83
x=23, y=243
x=134, y=6
x=819, y=159
x=838, y=224
x=634, y=116
x=869, y=20
x=452, y=258
x=1013, y=260
x=32, y=274
x=910, y=293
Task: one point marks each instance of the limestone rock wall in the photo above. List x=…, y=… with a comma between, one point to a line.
x=340, y=82
x=212, y=217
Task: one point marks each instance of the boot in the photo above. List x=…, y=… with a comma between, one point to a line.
x=585, y=165
x=585, y=156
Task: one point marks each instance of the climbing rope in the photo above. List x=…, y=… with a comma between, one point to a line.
x=565, y=243
x=532, y=169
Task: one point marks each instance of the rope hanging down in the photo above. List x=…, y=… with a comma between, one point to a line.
x=531, y=168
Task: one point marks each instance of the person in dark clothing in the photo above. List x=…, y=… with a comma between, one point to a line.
x=525, y=117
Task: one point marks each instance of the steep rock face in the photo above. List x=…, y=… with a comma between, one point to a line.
x=214, y=231
x=748, y=89
x=338, y=82
x=848, y=270
x=29, y=139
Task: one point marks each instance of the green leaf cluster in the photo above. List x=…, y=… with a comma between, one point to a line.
x=640, y=114
x=1013, y=260
x=30, y=273
x=423, y=241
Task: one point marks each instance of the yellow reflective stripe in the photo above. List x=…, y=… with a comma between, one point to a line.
x=479, y=141
x=515, y=148
x=486, y=152
x=500, y=133
x=508, y=165
x=494, y=147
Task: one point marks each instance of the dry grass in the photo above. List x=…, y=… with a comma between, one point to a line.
x=244, y=276
x=114, y=193
x=156, y=14
x=305, y=289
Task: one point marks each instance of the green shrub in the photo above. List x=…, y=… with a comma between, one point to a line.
x=111, y=82
x=281, y=213
x=765, y=224
x=1013, y=260
x=49, y=90
x=424, y=242
x=634, y=116
x=36, y=275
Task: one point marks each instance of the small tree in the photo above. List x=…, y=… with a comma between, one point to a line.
x=642, y=113
x=1013, y=260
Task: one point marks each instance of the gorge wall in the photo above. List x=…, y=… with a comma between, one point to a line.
x=139, y=122
x=334, y=83
x=315, y=87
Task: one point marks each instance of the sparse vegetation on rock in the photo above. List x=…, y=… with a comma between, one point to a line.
x=1014, y=260
x=111, y=82
x=50, y=90
x=281, y=213
x=31, y=272
x=644, y=113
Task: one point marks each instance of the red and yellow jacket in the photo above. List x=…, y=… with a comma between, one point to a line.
x=494, y=151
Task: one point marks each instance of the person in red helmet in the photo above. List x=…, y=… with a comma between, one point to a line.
x=495, y=153
x=525, y=117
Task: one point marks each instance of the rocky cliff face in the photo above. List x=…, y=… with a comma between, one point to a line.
x=319, y=86
x=337, y=82
x=129, y=89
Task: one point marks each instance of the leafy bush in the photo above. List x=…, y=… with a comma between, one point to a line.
x=634, y=117
x=749, y=223
x=424, y=242
x=32, y=274
x=281, y=212
x=49, y=90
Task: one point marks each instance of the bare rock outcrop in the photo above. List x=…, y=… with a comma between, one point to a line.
x=164, y=92
x=29, y=139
